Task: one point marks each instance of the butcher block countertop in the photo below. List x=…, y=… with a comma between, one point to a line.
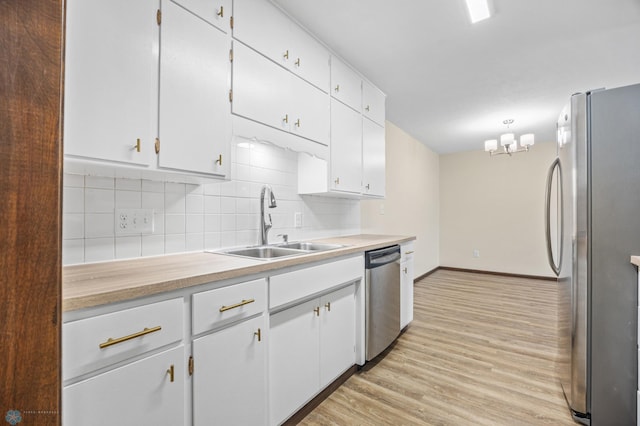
x=89, y=285
x=635, y=260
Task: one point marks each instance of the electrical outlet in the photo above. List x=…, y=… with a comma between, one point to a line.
x=476, y=253
x=134, y=221
x=297, y=220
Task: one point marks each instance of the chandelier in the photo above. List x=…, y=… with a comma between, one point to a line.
x=508, y=142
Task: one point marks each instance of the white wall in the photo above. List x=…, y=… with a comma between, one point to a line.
x=197, y=217
x=411, y=205
x=495, y=205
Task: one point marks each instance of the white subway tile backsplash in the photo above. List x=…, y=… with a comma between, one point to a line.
x=99, y=200
x=97, y=225
x=128, y=247
x=72, y=226
x=128, y=199
x=99, y=249
x=190, y=217
x=99, y=182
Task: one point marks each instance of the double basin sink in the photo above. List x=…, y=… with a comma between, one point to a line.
x=281, y=250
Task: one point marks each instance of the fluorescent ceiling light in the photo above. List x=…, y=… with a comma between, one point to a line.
x=478, y=10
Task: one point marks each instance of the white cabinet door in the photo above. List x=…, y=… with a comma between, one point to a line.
x=345, y=84
x=373, y=158
x=310, y=113
x=140, y=393
x=259, y=24
x=294, y=357
x=229, y=380
x=373, y=103
x=195, y=116
x=309, y=59
x=111, y=68
x=261, y=89
x=346, y=148
x=406, y=285
x=215, y=12
x=337, y=333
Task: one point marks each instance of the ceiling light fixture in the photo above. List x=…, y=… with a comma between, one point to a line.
x=508, y=142
x=478, y=10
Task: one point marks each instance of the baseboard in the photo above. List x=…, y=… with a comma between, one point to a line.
x=502, y=274
x=425, y=275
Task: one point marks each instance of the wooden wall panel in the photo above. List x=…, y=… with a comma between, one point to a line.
x=31, y=43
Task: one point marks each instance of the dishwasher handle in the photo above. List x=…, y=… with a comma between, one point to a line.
x=377, y=258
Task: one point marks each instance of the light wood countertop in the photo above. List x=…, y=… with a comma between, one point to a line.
x=94, y=284
x=635, y=260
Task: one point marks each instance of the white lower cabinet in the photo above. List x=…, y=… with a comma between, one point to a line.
x=310, y=345
x=229, y=379
x=406, y=284
x=146, y=392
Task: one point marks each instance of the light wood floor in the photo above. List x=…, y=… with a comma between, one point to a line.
x=480, y=351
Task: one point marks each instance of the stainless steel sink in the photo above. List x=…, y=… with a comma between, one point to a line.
x=280, y=250
x=264, y=252
x=310, y=246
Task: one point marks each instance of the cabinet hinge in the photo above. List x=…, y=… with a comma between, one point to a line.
x=231, y=95
x=157, y=145
x=191, y=365
x=231, y=22
x=231, y=55
x=159, y=16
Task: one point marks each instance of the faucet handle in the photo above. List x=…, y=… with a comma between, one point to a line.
x=285, y=237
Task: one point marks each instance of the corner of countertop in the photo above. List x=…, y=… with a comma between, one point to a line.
x=635, y=260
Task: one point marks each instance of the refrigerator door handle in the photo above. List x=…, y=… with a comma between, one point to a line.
x=554, y=267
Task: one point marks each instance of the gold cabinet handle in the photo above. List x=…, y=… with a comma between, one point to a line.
x=367, y=108
x=297, y=123
x=111, y=342
x=337, y=181
x=170, y=372
x=317, y=311
x=286, y=118
x=367, y=186
x=219, y=160
x=328, y=306
x=237, y=305
x=137, y=145
x=337, y=89
x=259, y=334
x=221, y=12
x=297, y=62
x=405, y=270
x=191, y=366
x=408, y=252
x=286, y=54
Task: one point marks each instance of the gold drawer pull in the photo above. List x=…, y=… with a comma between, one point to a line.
x=111, y=341
x=409, y=252
x=237, y=305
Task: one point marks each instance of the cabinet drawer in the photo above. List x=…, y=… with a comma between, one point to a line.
x=407, y=251
x=290, y=286
x=214, y=308
x=102, y=340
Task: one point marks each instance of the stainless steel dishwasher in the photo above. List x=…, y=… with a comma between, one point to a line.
x=382, y=293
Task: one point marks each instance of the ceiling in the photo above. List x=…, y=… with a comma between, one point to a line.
x=450, y=84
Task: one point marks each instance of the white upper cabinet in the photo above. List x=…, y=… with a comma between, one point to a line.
x=373, y=159
x=264, y=27
x=260, y=89
x=311, y=113
x=195, y=115
x=346, y=148
x=215, y=12
x=346, y=85
x=373, y=103
x=309, y=59
x=111, y=65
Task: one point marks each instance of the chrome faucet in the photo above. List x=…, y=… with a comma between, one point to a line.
x=264, y=227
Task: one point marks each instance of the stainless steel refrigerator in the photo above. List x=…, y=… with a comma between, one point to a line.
x=593, y=210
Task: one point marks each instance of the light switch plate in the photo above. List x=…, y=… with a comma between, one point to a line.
x=134, y=221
